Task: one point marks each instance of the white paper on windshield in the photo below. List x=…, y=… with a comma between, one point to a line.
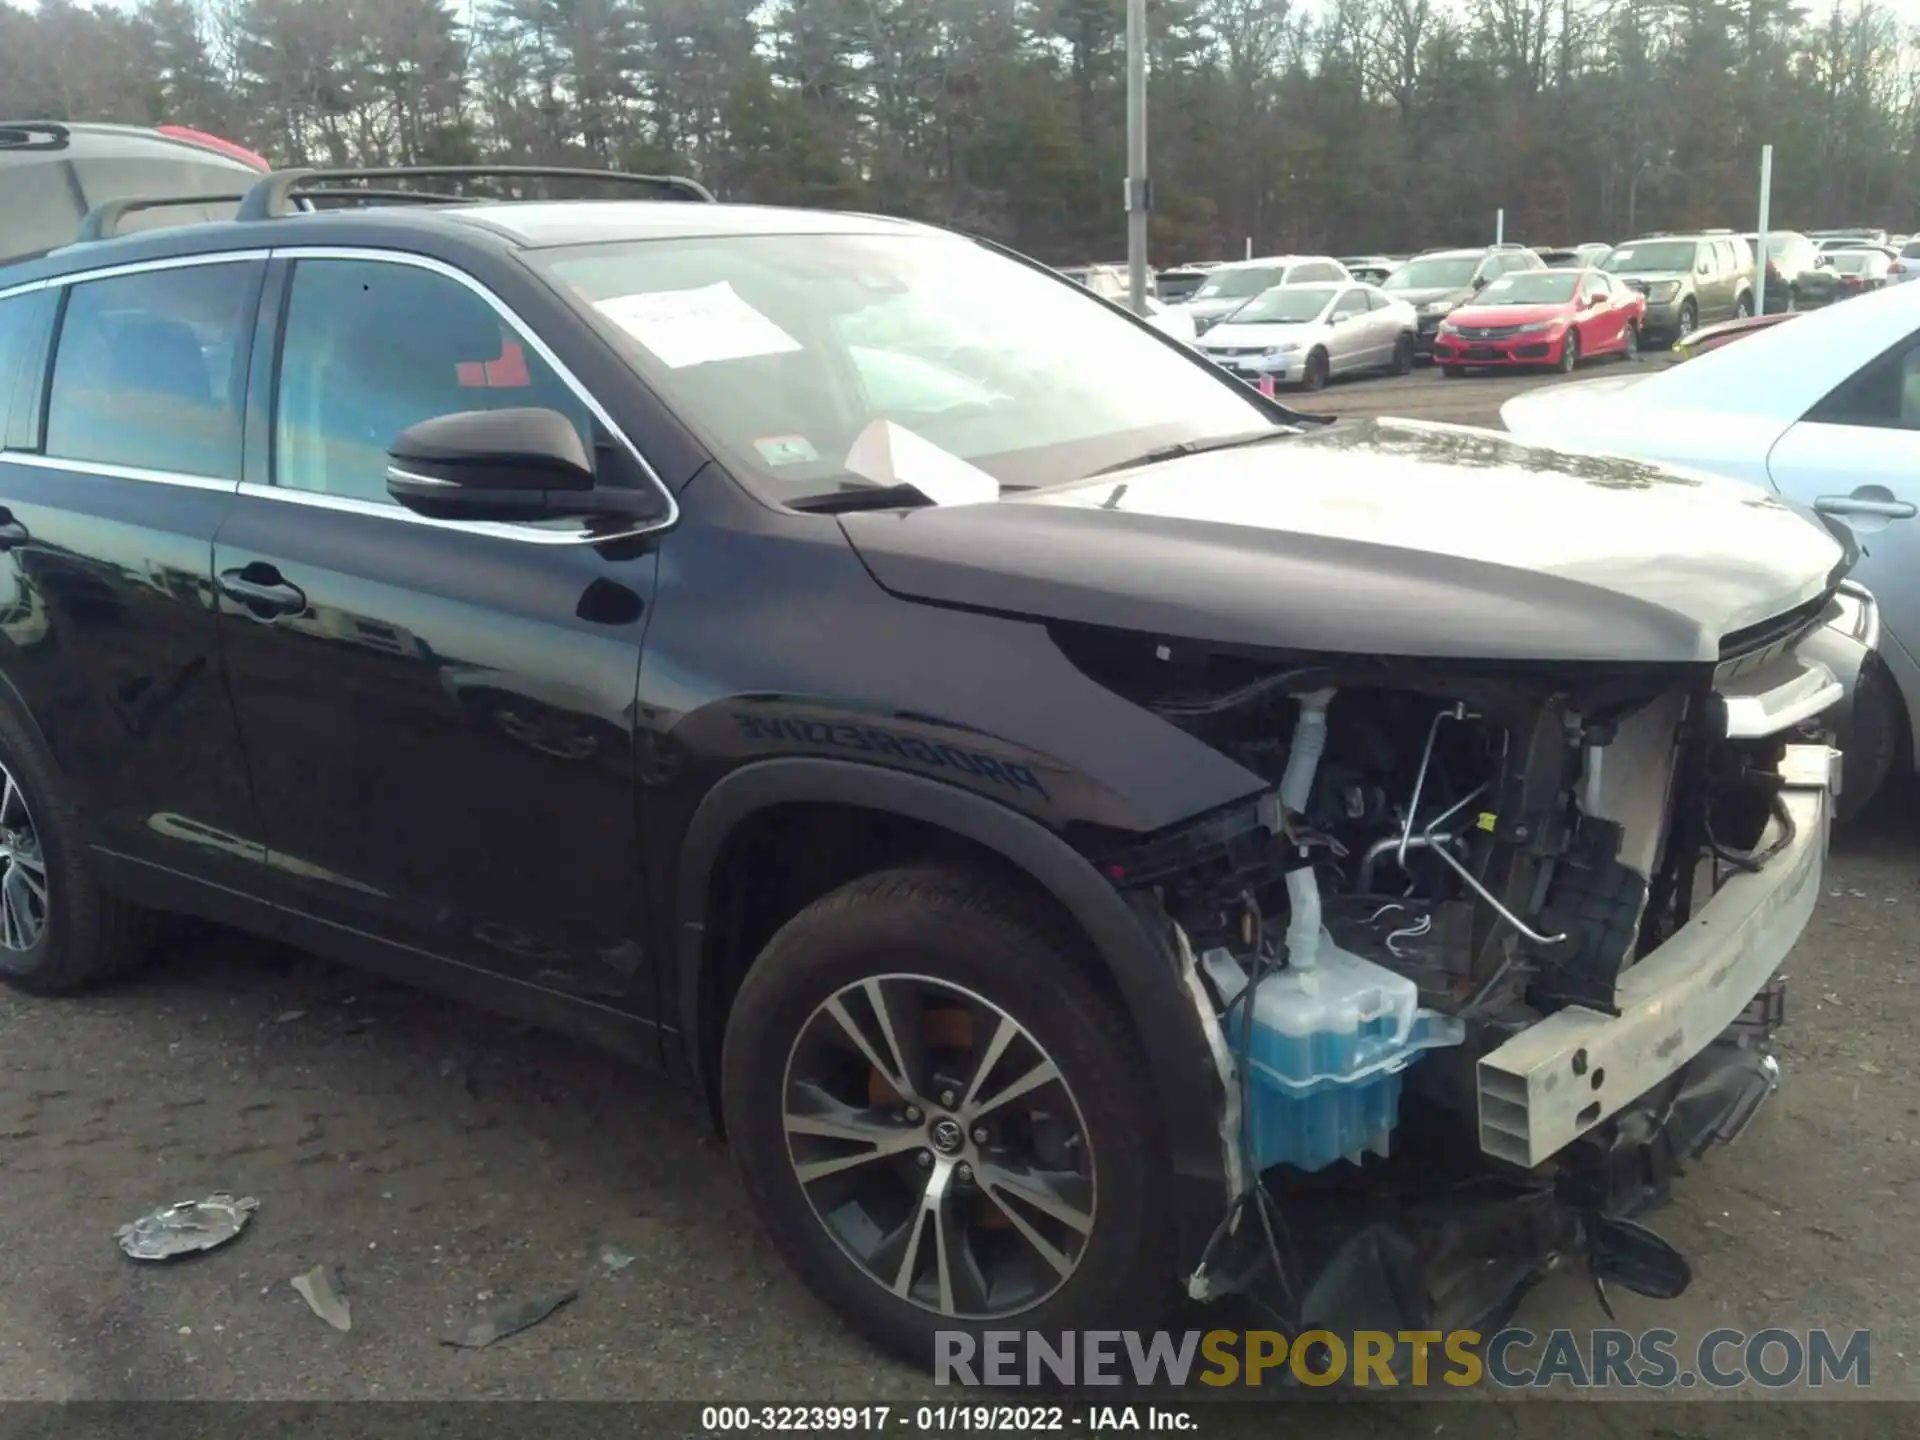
x=890, y=454
x=1623, y=254
x=695, y=327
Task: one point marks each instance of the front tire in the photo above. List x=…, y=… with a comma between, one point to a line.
x=943, y=1122
x=1632, y=349
x=1569, y=353
x=1403, y=356
x=1689, y=320
x=1316, y=373
x=59, y=931
x=1743, y=307
x=1873, y=743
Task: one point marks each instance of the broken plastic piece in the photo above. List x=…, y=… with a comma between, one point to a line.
x=316, y=1287
x=186, y=1227
x=509, y=1320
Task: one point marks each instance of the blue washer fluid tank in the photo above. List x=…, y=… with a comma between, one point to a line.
x=1328, y=1047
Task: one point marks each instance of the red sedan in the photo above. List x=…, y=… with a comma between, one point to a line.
x=1541, y=317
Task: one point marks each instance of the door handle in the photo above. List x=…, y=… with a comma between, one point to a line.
x=12, y=532
x=262, y=589
x=1861, y=505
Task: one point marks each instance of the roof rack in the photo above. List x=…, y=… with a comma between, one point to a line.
x=272, y=196
x=33, y=135
x=101, y=220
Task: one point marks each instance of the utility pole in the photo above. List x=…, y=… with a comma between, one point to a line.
x=1766, y=204
x=1139, y=193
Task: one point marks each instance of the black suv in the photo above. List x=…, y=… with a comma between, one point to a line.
x=1032, y=800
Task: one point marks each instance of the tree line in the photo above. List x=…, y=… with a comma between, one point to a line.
x=1344, y=125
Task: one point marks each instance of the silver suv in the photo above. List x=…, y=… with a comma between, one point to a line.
x=1228, y=287
x=52, y=174
x=1689, y=280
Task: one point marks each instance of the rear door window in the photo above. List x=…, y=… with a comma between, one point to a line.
x=150, y=370
x=20, y=319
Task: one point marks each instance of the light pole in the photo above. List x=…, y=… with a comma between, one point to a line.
x=1139, y=194
x=1766, y=203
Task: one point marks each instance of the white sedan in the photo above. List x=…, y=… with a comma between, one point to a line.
x=1825, y=412
x=1307, y=334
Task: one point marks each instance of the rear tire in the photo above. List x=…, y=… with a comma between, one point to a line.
x=59, y=931
x=955, y=962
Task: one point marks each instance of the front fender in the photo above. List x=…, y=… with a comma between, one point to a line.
x=1143, y=969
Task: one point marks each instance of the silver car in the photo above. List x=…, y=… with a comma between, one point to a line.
x=1307, y=334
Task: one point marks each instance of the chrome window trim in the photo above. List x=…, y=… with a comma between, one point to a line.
x=498, y=529
x=134, y=267
x=343, y=503
x=36, y=461
x=540, y=348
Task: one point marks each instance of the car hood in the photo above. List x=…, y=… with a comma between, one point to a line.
x=1495, y=315
x=1232, y=334
x=1389, y=537
x=1646, y=277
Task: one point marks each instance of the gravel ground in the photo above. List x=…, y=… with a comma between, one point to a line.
x=449, y=1161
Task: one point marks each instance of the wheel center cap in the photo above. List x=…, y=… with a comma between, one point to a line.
x=946, y=1135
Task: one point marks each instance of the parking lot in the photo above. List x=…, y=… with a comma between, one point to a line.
x=449, y=1161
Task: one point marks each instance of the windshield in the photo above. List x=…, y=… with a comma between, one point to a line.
x=780, y=350
x=1532, y=287
x=1239, y=284
x=1651, y=255
x=1433, y=274
x=1284, y=305
x=1852, y=262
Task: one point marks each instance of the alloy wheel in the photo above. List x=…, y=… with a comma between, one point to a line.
x=940, y=1146
x=23, y=870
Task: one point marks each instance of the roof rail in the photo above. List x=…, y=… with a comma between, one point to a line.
x=272, y=196
x=33, y=135
x=100, y=221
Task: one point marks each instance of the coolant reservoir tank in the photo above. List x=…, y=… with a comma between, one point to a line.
x=1325, y=1057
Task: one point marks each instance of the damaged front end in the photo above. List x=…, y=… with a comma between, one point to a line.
x=1493, y=960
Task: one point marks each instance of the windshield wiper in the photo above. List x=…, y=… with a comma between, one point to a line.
x=867, y=497
x=1195, y=447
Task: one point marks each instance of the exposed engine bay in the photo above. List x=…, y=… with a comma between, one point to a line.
x=1404, y=944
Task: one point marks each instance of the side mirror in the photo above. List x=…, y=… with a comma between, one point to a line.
x=1479, y=282
x=520, y=464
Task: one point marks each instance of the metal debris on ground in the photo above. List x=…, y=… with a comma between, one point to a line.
x=323, y=1297
x=287, y=1017
x=186, y=1227
x=509, y=1320
x=614, y=1258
